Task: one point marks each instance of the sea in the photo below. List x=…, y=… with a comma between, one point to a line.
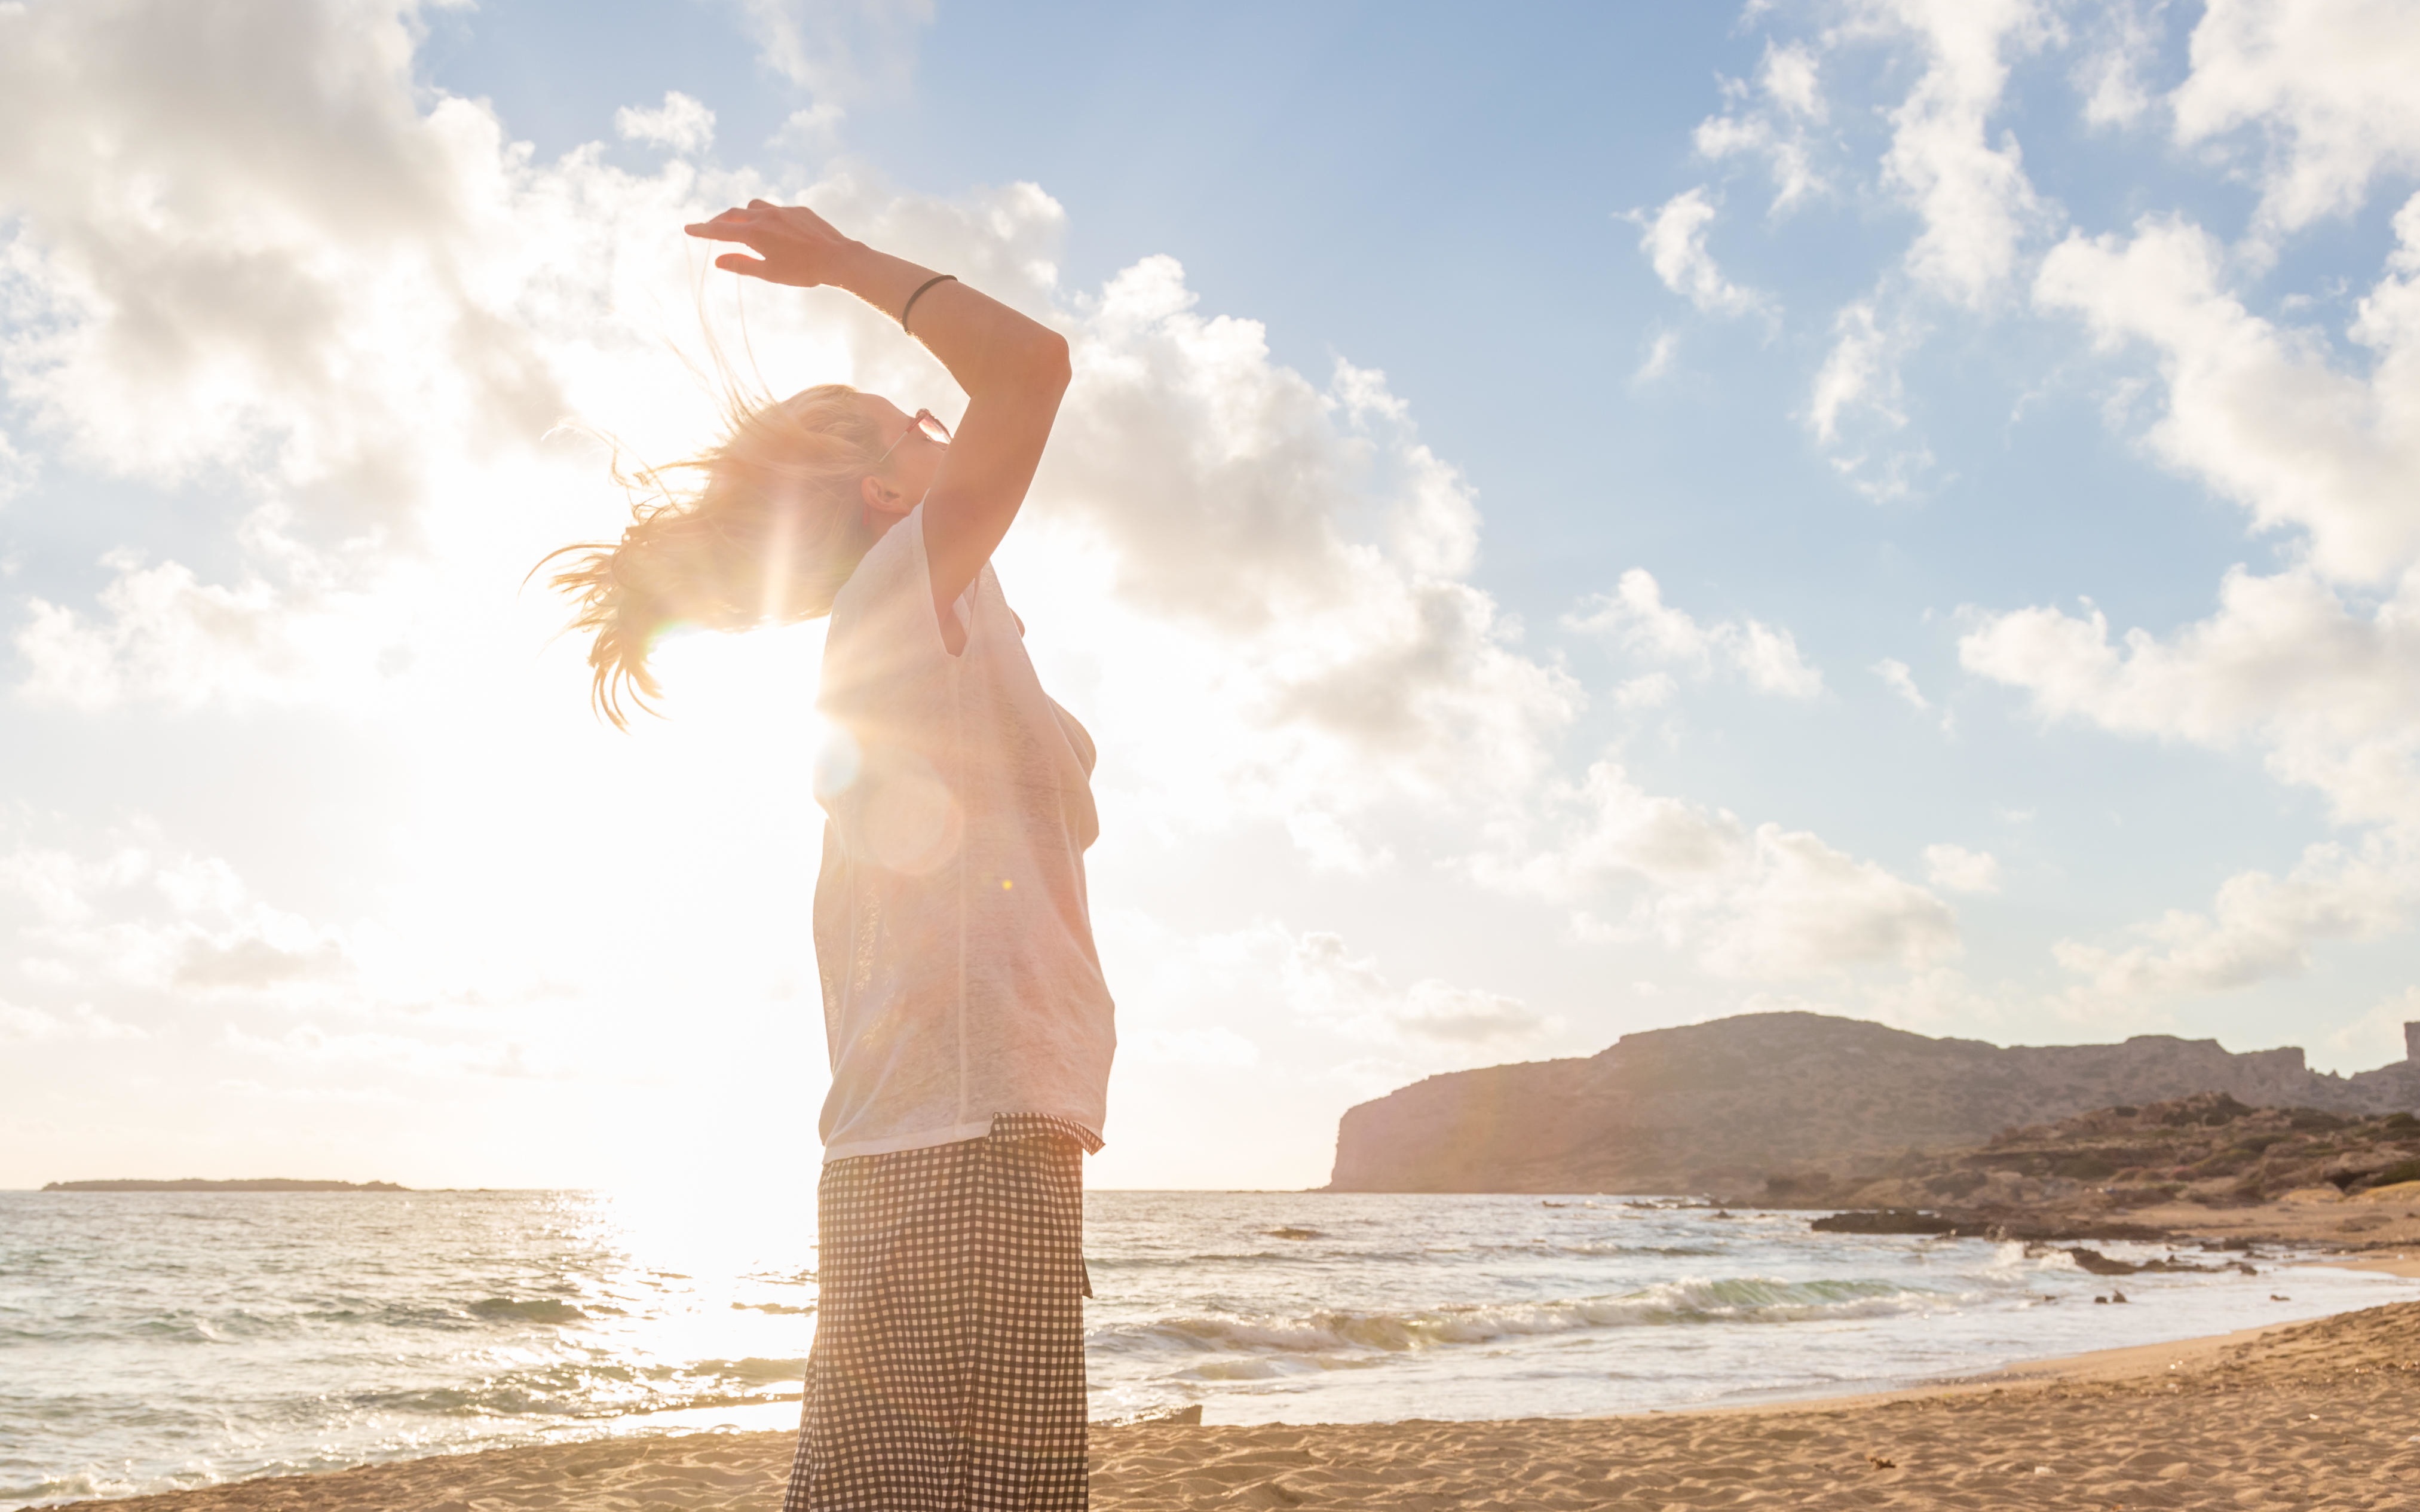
x=150, y=1342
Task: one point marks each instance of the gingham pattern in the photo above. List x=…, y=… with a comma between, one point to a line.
x=947, y=1373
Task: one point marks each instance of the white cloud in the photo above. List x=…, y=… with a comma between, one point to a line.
x=1762, y=902
x=1775, y=122
x=1960, y=869
x=2321, y=684
x=261, y=269
x=2329, y=84
x=31, y=1026
x=1329, y=845
x=2259, y=926
x=1974, y=207
x=2331, y=699
x=1857, y=405
x=1440, y=1012
x=1768, y=657
x=1327, y=982
x=2330, y=695
x=1675, y=244
x=844, y=50
x=17, y=471
x=1649, y=691
x=2378, y=1036
x=163, y=636
x=1658, y=361
x=679, y=124
x=2314, y=666
x=1973, y=196
x=2259, y=412
x=1856, y=373
x=1789, y=76
x=812, y=133
x=1288, y=626
x=1634, y=617
x=1900, y=679
x=137, y=916
x=2120, y=46
x=1214, y=1001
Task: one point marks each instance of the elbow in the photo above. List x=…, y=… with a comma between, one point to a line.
x=1049, y=363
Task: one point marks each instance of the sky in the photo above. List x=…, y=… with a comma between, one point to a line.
x=1564, y=524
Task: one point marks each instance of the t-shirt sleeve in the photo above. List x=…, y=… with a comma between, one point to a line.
x=884, y=660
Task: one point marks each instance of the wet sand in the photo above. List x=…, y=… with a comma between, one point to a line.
x=2324, y=1413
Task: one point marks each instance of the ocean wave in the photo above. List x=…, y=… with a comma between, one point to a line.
x=751, y=1371
x=252, y=1325
x=1727, y=1300
x=1590, y=1247
x=1338, y=1251
x=781, y=1278
x=533, y=1310
x=535, y=1395
x=598, y=1390
x=1339, y=1248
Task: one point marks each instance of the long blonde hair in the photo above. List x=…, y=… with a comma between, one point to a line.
x=762, y=529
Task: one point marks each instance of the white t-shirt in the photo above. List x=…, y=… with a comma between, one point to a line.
x=952, y=931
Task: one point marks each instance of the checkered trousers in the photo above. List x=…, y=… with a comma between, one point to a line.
x=947, y=1373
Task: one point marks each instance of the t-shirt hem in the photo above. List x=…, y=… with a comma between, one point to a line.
x=949, y=1134
x=946, y=1134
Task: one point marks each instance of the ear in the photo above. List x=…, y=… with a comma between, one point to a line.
x=881, y=498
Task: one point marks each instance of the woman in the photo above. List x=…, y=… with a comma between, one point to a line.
x=968, y=1023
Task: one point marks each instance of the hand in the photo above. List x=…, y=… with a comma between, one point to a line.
x=793, y=244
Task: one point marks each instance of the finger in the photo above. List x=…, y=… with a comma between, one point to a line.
x=719, y=229
x=760, y=205
x=739, y=262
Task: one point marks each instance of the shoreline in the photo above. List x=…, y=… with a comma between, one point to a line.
x=2123, y=1363
x=2277, y=1414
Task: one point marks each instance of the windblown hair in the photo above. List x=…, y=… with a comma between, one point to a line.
x=762, y=529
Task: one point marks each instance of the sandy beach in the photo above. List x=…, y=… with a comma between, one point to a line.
x=2324, y=1413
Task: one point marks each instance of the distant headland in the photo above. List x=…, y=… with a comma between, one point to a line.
x=194, y=1185
x=1742, y=1106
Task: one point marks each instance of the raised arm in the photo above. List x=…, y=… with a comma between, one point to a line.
x=1013, y=370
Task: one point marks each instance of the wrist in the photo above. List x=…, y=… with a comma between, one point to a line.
x=855, y=266
x=879, y=278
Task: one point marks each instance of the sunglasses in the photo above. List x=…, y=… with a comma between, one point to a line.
x=924, y=421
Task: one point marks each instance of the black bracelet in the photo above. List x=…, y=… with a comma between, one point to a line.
x=936, y=278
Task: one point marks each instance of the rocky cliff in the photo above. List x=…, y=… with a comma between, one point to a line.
x=2207, y=1147
x=1726, y=1106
